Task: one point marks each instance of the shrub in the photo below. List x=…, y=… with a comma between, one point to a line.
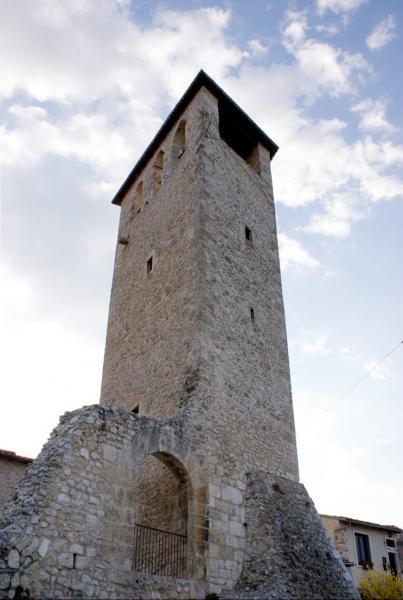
x=377, y=585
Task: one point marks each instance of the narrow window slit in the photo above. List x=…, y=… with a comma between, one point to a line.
x=248, y=235
x=158, y=167
x=138, y=196
x=149, y=265
x=179, y=141
x=252, y=315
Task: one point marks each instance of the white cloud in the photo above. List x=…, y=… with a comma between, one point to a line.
x=338, y=217
x=318, y=162
x=92, y=84
x=373, y=116
x=256, y=47
x=317, y=346
x=147, y=68
x=292, y=253
x=378, y=373
x=116, y=55
x=312, y=342
x=61, y=367
x=131, y=73
x=329, y=30
x=339, y=474
x=382, y=34
x=93, y=139
x=339, y=6
x=323, y=65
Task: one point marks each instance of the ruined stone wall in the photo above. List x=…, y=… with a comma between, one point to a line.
x=70, y=531
x=289, y=553
x=10, y=474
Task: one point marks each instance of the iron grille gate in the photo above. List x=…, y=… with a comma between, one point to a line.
x=159, y=552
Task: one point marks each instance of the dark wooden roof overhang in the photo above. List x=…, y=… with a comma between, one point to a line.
x=9, y=455
x=226, y=104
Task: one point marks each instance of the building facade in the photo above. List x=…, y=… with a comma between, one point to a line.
x=365, y=546
x=12, y=468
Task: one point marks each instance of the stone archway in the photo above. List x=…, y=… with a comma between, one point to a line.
x=163, y=518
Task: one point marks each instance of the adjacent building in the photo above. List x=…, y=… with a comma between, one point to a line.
x=364, y=545
x=12, y=468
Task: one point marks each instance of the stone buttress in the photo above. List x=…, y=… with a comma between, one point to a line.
x=184, y=481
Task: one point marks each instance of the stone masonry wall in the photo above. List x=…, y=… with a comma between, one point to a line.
x=181, y=341
x=244, y=372
x=151, y=354
x=289, y=554
x=244, y=391
x=10, y=474
x=69, y=532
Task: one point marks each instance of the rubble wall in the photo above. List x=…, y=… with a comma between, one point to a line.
x=11, y=472
x=69, y=530
x=289, y=554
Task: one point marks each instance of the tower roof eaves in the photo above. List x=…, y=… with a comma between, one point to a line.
x=201, y=80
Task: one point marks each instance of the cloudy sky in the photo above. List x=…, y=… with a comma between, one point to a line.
x=84, y=86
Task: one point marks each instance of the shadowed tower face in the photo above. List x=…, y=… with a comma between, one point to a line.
x=196, y=324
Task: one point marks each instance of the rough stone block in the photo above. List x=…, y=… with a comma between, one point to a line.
x=85, y=453
x=236, y=528
x=66, y=560
x=231, y=494
x=13, y=559
x=76, y=549
x=44, y=547
x=82, y=562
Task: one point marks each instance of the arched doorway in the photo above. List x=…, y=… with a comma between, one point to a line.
x=162, y=494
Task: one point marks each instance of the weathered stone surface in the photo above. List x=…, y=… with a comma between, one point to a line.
x=13, y=559
x=44, y=547
x=76, y=549
x=66, y=560
x=11, y=471
x=288, y=551
x=231, y=494
x=181, y=343
x=82, y=551
x=197, y=345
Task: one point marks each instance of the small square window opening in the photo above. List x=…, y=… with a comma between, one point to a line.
x=149, y=265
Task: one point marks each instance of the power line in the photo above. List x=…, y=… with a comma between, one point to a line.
x=344, y=394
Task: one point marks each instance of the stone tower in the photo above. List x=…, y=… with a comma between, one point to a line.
x=184, y=481
x=196, y=325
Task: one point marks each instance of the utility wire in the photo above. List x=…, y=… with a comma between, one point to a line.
x=344, y=394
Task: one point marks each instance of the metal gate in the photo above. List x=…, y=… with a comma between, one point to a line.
x=159, y=552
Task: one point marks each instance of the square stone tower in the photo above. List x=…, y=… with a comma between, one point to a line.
x=196, y=322
x=184, y=481
x=196, y=326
